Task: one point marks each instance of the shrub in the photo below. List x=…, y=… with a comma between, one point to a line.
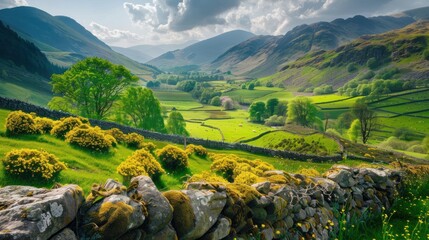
x=352, y=67
x=246, y=178
x=275, y=121
x=197, y=149
x=19, y=122
x=91, y=138
x=251, y=86
x=134, y=140
x=417, y=149
x=35, y=163
x=206, y=176
x=173, y=158
x=426, y=55
x=309, y=172
x=140, y=163
x=216, y=101
x=333, y=132
x=148, y=146
x=44, y=125
x=225, y=167
x=117, y=134
x=403, y=133
x=65, y=125
x=324, y=89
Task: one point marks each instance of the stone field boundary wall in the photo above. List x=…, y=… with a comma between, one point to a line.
x=13, y=104
x=282, y=207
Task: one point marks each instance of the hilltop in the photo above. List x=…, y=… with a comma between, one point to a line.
x=398, y=54
x=270, y=53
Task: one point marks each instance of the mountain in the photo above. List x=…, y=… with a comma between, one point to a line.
x=399, y=54
x=24, y=69
x=268, y=54
x=202, y=52
x=63, y=40
x=136, y=55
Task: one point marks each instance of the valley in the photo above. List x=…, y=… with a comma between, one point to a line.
x=318, y=129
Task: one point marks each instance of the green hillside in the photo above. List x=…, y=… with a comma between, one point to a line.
x=64, y=40
x=399, y=54
x=86, y=168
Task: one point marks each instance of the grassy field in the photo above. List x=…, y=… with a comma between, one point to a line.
x=248, y=96
x=86, y=168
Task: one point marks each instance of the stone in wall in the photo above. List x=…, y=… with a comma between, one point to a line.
x=36, y=213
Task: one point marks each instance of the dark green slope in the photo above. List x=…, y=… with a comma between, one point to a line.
x=63, y=40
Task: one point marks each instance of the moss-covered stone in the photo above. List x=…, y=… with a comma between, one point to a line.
x=183, y=214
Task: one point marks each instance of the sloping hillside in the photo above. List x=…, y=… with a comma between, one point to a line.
x=271, y=55
x=63, y=40
x=202, y=52
x=399, y=54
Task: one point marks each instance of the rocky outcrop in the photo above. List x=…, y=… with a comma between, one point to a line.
x=35, y=213
x=282, y=206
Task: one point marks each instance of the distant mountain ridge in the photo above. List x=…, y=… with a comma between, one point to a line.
x=63, y=40
x=202, y=52
x=398, y=54
x=270, y=53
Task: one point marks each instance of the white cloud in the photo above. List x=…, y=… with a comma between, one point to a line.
x=12, y=3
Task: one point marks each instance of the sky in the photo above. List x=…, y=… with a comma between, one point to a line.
x=132, y=22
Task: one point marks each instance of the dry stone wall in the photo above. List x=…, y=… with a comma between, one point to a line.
x=12, y=104
x=285, y=207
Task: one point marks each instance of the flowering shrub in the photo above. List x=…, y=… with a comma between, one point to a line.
x=173, y=158
x=65, y=125
x=197, y=149
x=133, y=140
x=246, y=178
x=117, y=134
x=231, y=166
x=34, y=163
x=206, y=176
x=310, y=172
x=140, y=163
x=148, y=146
x=91, y=138
x=44, y=125
x=19, y=122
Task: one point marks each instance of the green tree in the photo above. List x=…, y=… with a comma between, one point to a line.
x=344, y=121
x=301, y=111
x=216, y=101
x=143, y=108
x=92, y=86
x=176, y=124
x=251, y=86
x=354, y=131
x=257, y=112
x=281, y=108
x=367, y=119
x=272, y=106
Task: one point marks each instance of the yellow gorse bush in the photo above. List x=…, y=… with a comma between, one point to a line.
x=19, y=122
x=117, y=134
x=32, y=162
x=140, y=163
x=65, y=125
x=206, y=176
x=173, y=158
x=197, y=149
x=246, y=178
x=148, y=146
x=44, y=125
x=230, y=166
x=133, y=140
x=92, y=138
